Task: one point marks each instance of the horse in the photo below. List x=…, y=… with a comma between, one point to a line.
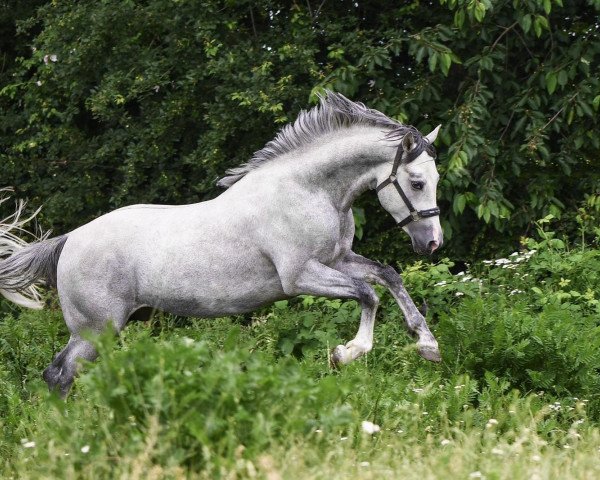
x=283, y=227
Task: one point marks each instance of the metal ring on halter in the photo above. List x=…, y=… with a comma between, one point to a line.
x=415, y=215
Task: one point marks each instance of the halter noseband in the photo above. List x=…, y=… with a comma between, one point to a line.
x=415, y=215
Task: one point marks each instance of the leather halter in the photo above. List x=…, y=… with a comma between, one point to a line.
x=415, y=215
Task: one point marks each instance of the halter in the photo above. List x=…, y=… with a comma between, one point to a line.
x=415, y=215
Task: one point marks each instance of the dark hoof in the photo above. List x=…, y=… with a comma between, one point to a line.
x=57, y=381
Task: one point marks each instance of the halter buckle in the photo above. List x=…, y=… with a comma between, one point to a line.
x=415, y=216
x=392, y=178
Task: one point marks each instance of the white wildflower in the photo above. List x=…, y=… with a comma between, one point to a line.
x=370, y=427
x=458, y=294
x=536, y=458
x=476, y=474
x=417, y=390
x=85, y=449
x=491, y=422
x=460, y=274
x=38, y=83
x=440, y=284
x=502, y=261
x=497, y=451
x=445, y=442
x=343, y=439
x=188, y=342
x=27, y=444
x=364, y=464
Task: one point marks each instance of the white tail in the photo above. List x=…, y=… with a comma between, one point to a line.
x=11, y=230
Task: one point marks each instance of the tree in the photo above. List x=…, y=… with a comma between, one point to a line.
x=122, y=102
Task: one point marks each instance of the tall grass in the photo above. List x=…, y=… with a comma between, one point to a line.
x=516, y=395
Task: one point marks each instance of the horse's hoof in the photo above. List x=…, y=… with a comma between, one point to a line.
x=339, y=356
x=430, y=352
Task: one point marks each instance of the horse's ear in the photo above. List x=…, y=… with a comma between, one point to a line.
x=433, y=135
x=408, y=142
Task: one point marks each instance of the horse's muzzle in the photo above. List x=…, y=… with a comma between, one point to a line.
x=425, y=239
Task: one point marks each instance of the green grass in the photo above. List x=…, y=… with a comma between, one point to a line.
x=516, y=395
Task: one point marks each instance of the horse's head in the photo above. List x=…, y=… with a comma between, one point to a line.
x=408, y=190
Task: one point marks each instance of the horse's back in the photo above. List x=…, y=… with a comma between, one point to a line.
x=193, y=260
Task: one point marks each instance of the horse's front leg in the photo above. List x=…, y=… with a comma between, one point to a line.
x=317, y=279
x=374, y=272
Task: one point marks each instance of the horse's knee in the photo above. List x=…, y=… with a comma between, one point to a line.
x=367, y=295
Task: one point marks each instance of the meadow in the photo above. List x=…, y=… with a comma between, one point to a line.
x=516, y=395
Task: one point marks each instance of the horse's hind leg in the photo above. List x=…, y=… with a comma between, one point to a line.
x=61, y=373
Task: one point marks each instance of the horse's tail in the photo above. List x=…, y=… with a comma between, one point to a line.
x=23, y=265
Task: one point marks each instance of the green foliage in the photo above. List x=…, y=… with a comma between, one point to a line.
x=208, y=402
x=519, y=378
x=519, y=318
x=111, y=103
x=319, y=323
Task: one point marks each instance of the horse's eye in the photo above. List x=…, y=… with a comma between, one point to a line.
x=417, y=185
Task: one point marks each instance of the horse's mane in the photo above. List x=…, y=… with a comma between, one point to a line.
x=333, y=113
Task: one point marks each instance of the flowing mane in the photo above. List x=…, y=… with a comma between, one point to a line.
x=333, y=113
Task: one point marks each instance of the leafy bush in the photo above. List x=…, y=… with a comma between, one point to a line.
x=531, y=319
x=520, y=377
x=207, y=403
x=111, y=103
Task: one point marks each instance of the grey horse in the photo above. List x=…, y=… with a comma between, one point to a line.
x=283, y=227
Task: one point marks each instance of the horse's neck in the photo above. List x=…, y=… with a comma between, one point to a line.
x=344, y=166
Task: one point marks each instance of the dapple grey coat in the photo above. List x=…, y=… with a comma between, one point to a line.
x=283, y=227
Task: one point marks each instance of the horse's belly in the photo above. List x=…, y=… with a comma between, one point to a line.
x=210, y=283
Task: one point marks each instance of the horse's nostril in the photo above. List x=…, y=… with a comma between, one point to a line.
x=433, y=246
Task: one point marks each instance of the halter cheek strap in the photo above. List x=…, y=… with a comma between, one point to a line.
x=415, y=215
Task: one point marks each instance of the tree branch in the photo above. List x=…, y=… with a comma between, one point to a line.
x=506, y=30
x=558, y=113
